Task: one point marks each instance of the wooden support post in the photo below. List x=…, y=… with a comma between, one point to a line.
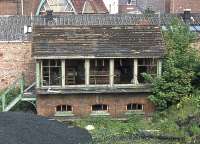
x=63, y=73
x=22, y=86
x=38, y=74
x=3, y=100
x=87, y=72
x=159, y=67
x=111, y=72
x=135, y=71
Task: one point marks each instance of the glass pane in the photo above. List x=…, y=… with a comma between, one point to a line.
x=58, y=108
x=105, y=107
x=99, y=71
x=123, y=73
x=129, y=107
x=134, y=107
x=139, y=107
x=45, y=62
x=64, y=108
x=74, y=72
x=99, y=107
x=69, y=108
x=55, y=76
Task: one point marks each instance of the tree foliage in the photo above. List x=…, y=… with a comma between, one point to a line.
x=179, y=66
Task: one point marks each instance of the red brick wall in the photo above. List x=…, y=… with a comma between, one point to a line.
x=13, y=7
x=178, y=6
x=15, y=58
x=82, y=103
x=10, y=7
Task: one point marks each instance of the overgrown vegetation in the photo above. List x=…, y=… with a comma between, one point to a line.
x=181, y=67
x=179, y=124
x=176, y=95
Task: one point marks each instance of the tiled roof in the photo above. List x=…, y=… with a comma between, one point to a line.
x=13, y=7
x=95, y=6
x=78, y=5
x=98, y=6
x=178, y=6
x=12, y=27
x=113, y=41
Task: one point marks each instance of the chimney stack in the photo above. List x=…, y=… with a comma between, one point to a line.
x=49, y=15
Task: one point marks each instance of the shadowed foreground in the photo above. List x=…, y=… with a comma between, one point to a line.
x=21, y=128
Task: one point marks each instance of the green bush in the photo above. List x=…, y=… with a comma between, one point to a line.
x=179, y=67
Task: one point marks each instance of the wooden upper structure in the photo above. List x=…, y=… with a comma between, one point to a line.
x=131, y=41
x=98, y=36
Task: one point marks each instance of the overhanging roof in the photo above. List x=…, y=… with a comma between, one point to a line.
x=113, y=41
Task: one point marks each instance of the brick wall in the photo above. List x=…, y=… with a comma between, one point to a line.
x=15, y=58
x=82, y=103
x=13, y=7
x=178, y=6
x=10, y=7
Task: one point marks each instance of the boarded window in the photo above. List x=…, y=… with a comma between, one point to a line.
x=135, y=106
x=63, y=108
x=51, y=72
x=123, y=73
x=99, y=71
x=99, y=107
x=148, y=66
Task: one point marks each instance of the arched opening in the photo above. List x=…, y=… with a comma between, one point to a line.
x=25, y=106
x=99, y=109
x=135, y=107
x=64, y=110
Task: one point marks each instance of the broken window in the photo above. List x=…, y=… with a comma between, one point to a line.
x=99, y=107
x=51, y=72
x=123, y=73
x=74, y=72
x=148, y=66
x=99, y=71
x=63, y=108
x=135, y=106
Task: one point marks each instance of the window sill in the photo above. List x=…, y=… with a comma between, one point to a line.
x=62, y=114
x=137, y=112
x=100, y=113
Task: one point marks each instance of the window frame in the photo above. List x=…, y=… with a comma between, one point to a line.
x=49, y=67
x=135, y=110
x=64, y=113
x=96, y=66
x=153, y=64
x=66, y=108
x=100, y=112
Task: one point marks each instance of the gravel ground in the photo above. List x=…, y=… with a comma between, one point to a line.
x=23, y=128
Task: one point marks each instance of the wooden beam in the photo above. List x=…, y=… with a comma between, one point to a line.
x=159, y=67
x=87, y=72
x=111, y=72
x=135, y=71
x=63, y=72
x=38, y=74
